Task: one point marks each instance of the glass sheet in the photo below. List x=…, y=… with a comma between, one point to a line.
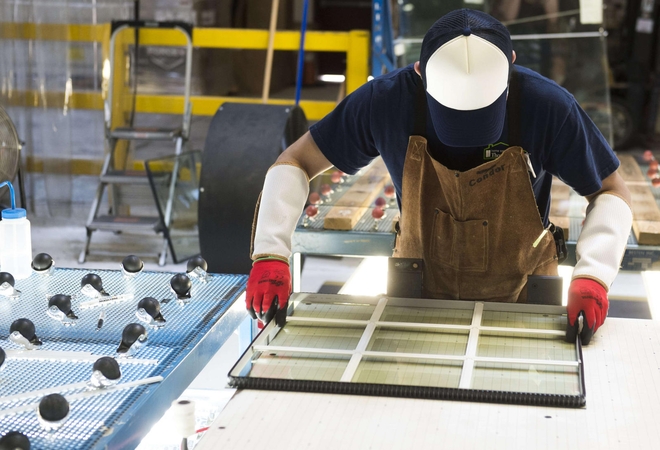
x=427, y=315
x=432, y=342
x=523, y=320
x=522, y=17
x=334, y=311
x=525, y=346
x=299, y=366
x=314, y=335
x=409, y=372
x=538, y=379
x=406, y=359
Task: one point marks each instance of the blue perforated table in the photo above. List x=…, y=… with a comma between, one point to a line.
x=177, y=352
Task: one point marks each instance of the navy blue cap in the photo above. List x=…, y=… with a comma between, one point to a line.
x=465, y=63
x=13, y=213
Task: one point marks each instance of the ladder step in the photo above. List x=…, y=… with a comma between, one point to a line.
x=149, y=134
x=124, y=223
x=125, y=177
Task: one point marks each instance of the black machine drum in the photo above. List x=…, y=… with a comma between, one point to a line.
x=243, y=141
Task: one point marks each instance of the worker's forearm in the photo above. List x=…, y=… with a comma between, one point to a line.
x=307, y=155
x=603, y=239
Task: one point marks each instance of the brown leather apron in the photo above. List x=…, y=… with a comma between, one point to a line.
x=475, y=230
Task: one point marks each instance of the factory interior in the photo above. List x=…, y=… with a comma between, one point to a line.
x=203, y=242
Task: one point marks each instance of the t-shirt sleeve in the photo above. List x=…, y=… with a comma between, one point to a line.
x=579, y=155
x=345, y=136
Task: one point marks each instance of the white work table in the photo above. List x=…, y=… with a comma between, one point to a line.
x=622, y=374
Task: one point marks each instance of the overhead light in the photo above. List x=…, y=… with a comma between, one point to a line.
x=370, y=77
x=330, y=78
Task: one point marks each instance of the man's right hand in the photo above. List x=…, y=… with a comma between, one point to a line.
x=268, y=289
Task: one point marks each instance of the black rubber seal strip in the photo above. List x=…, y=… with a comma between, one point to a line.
x=421, y=392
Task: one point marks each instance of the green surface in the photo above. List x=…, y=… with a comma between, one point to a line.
x=526, y=378
x=409, y=372
x=432, y=342
x=299, y=366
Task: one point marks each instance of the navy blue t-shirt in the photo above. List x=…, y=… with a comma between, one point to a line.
x=559, y=136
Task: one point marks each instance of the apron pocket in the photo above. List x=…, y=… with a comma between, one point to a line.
x=460, y=245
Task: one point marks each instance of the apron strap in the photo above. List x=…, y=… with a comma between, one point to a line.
x=513, y=109
x=420, y=109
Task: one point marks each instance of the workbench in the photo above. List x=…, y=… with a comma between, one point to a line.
x=176, y=352
x=622, y=374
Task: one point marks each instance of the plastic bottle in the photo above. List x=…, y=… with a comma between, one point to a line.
x=15, y=239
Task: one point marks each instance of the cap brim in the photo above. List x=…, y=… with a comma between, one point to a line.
x=468, y=128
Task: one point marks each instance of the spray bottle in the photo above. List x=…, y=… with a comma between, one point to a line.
x=15, y=239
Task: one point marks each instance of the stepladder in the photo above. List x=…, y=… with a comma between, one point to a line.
x=123, y=197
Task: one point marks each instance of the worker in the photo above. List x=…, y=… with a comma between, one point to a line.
x=471, y=142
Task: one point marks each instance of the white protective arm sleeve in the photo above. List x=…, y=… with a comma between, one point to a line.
x=602, y=242
x=283, y=198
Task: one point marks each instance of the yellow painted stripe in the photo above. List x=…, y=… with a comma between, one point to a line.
x=251, y=39
x=55, y=32
x=157, y=104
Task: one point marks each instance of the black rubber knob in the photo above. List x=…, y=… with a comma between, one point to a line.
x=26, y=328
x=6, y=277
x=181, y=284
x=2, y=356
x=109, y=367
x=195, y=262
x=63, y=303
x=132, y=264
x=14, y=441
x=152, y=307
x=53, y=407
x=41, y=262
x=131, y=333
x=93, y=280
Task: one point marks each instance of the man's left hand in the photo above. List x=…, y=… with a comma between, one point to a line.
x=588, y=297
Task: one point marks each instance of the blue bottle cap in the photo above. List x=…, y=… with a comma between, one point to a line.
x=13, y=213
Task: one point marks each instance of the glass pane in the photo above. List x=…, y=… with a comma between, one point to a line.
x=409, y=372
x=523, y=320
x=316, y=335
x=334, y=311
x=526, y=378
x=299, y=366
x=524, y=17
x=500, y=345
x=182, y=204
x=434, y=342
x=427, y=315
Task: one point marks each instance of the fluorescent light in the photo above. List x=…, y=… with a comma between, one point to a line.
x=329, y=78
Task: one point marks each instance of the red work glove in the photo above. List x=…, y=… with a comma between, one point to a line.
x=268, y=289
x=589, y=298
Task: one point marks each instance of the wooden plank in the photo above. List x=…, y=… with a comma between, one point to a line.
x=647, y=233
x=343, y=217
x=351, y=206
x=629, y=169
